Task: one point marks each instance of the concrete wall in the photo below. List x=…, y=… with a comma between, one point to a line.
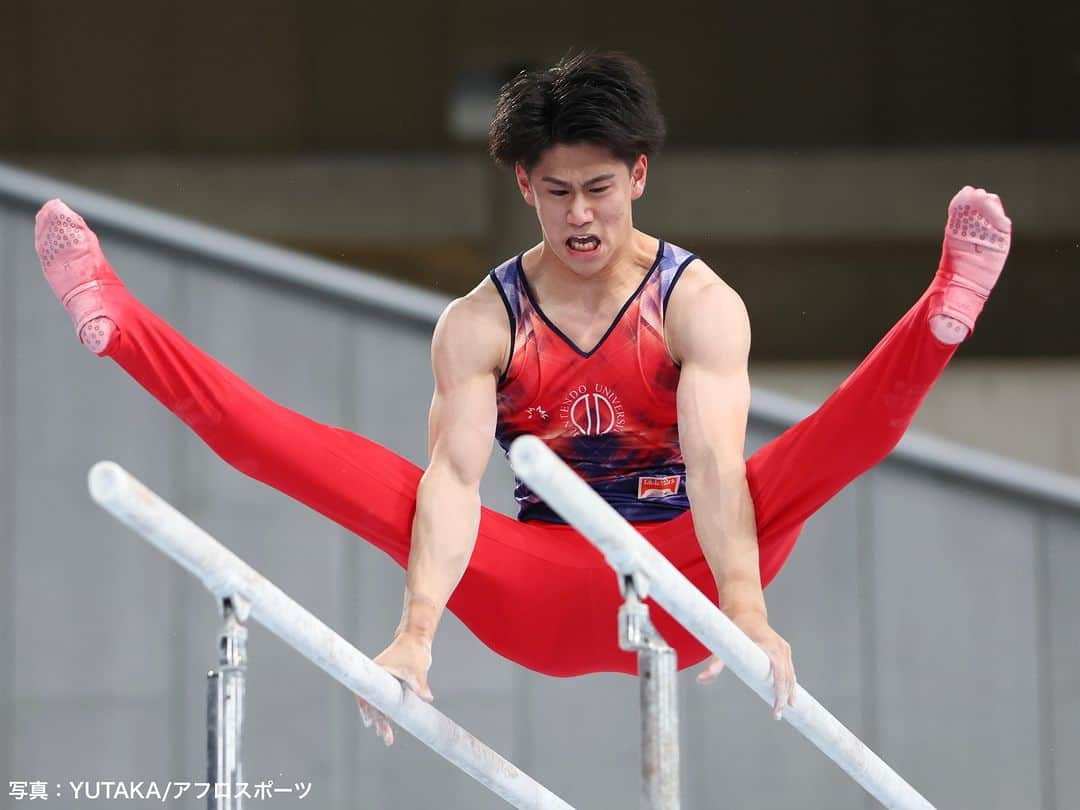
x=930, y=610
x=1028, y=410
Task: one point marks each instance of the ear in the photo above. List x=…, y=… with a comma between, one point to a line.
x=638, y=174
x=524, y=186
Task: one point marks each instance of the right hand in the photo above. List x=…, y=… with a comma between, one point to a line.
x=408, y=658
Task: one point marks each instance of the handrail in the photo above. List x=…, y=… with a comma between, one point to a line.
x=635, y=559
x=229, y=577
x=238, y=252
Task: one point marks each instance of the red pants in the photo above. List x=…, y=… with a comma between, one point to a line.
x=536, y=593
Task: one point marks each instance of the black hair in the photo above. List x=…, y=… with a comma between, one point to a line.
x=603, y=98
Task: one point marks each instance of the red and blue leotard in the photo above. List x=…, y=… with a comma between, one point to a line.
x=609, y=412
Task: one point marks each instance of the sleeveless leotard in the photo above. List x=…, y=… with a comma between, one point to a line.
x=610, y=412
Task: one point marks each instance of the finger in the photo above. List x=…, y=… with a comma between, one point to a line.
x=780, y=687
x=711, y=671
x=365, y=713
x=424, y=691
x=411, y=680
x=775, y=686
x=384, y=730
x=785, y=689
x=419, y=687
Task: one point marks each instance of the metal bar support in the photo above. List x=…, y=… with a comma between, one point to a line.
x=659, y=703
x=225, y=709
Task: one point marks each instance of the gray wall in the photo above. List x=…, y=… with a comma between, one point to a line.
x=929, y=605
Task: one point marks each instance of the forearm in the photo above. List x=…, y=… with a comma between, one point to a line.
x=725, y=524
x=443, y=535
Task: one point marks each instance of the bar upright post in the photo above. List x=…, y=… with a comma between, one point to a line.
x=659, y=703
x=225, y=712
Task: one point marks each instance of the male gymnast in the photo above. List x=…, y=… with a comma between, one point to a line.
x=626, y=354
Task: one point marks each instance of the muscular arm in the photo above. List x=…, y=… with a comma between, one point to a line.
x=708, y=333
x=466, y=351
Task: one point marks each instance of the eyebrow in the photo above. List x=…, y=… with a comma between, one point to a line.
x=594, y=180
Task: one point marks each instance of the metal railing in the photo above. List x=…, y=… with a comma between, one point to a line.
x=245, y=593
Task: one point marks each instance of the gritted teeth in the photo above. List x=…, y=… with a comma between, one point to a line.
x=583, y=242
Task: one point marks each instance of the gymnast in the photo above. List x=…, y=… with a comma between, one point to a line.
x=626, y=354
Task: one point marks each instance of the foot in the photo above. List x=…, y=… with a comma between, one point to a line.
x=977, y=238
x=77, y=271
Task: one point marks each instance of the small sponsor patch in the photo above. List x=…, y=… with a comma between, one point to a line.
x=658, y=487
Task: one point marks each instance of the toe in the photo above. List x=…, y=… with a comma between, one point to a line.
x=994, y=211
x=998, y=218
x=53, y=209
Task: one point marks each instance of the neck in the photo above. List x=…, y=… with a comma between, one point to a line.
x=555, y=282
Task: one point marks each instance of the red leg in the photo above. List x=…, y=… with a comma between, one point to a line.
x=855, y=428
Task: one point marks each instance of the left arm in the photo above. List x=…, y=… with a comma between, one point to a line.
x=708, y=333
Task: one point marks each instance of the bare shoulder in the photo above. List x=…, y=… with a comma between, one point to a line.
x=705, y=314
x=472, y=334
x=700, y=281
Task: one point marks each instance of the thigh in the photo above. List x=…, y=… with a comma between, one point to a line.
x=542, y=596
x=352, y=480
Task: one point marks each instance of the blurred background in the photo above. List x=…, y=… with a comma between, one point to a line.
x=811, y=155
x=810, y=159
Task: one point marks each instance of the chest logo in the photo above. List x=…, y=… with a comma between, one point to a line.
x=592, y=411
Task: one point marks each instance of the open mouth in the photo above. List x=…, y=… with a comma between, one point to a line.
x=583, y=244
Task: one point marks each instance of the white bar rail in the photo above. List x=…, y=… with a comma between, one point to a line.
x=631, y=555
x=227, y=576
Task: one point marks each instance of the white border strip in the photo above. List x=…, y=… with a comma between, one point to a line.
x=226, y=575
x=631, y=555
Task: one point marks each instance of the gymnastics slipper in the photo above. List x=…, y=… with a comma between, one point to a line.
x=977, y=239
x=77, y=271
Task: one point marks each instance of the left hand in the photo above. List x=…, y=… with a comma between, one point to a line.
x=779, y=652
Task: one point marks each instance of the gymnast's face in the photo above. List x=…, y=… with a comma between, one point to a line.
x=582, y=194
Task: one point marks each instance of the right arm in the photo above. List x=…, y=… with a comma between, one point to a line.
x=468, y=352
